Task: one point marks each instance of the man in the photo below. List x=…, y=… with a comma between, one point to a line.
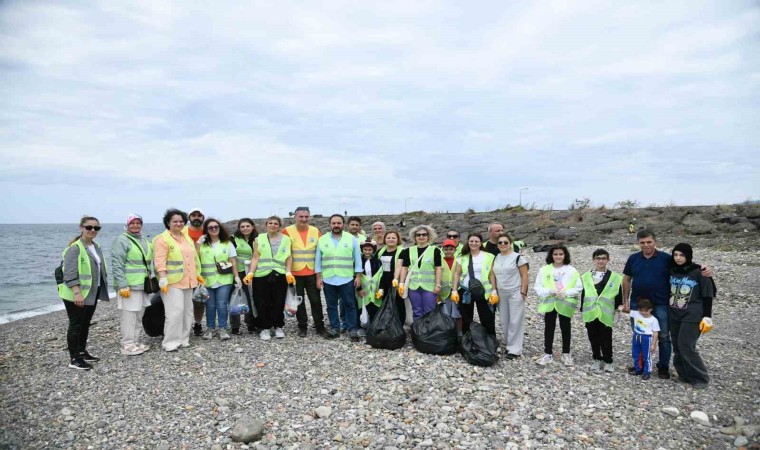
x=454, y=236
x=647, y=275
x=194, y=230
x=304, y=239
x=339, y=270
x=355, y=228
x=494, y=231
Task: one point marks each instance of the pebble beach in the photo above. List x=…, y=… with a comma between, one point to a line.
x=317, y=393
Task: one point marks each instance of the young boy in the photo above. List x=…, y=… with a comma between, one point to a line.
x=447, y=280
x=600, y=298
x=646, y=330
x=372, y=272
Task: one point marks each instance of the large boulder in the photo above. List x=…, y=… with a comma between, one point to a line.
x=696, y=224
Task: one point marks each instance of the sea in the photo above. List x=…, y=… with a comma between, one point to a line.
x=29, y=255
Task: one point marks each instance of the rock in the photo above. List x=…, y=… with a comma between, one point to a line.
x=426, y=443
x=740, y=441
x=697, y=225
x=222, y=402
x=65, y=412
x=322, y=412
x=247, y=429
x=700, y=417
x=671, y=411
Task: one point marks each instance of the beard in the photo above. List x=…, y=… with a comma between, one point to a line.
x=196, y=223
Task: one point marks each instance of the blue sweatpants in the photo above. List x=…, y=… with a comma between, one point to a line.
x=640, y=351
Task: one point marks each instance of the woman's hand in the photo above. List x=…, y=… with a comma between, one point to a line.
x=493, y=298
x=78, y=299
x=200, y=280
x=437, y=289
x=400, y=289
x=455, y=297
x=238, y=283
x=124, y=293
x=247, y=279
x=290, y=278
x=163, y=284
x=524, y=296
x=379, y=294
x=394, y=283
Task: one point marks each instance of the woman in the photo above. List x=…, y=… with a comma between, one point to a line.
x=177, y=265
x=558, y=286
x=84, y=283
x=478, y=262
x=270, y=275
x=130, y=256
x=424, y=262
x=691, y=300
x=448, y=268
x=243, y=242
x=511, y=272
x=378, y=232
x=218, y=268
x=388, y=256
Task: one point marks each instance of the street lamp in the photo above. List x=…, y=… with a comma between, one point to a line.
x=405, y=200
x=520, y=194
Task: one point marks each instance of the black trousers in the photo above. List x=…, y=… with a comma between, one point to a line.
x=250, y=321
x=686, y=359
x=485, y=312
x=600, y=337
x=308, y=284
x=550, y=324
x=79, y=326
x=269, y=298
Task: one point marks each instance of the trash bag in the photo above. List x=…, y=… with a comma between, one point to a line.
x=364, y=317
x=386, y=330
x=200, y=294
x=238, y=303
x=292, y=301
x=435, y=333
x=478, y=347
x=154, y=317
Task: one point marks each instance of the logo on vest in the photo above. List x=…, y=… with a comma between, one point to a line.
x=311, y=239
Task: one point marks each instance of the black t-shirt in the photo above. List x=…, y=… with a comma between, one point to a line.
x=387, y=279
x=492, y=248
x=600, y=288
x=436, y=257
x=691, y=295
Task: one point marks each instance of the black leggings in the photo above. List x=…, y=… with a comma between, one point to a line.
x=600, y=337
x=269, y=298
x=79, y=326
x=485, y=312
x=550, y=324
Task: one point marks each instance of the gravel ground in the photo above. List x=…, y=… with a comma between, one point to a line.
x=380, y=399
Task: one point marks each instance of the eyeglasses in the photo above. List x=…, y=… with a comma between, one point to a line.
x=452, y=236
x=420, y=234
x=601, y=258
x=213, y=227
x=91, y=227
x=503, y=242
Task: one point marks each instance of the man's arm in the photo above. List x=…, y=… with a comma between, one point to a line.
x=626, y=293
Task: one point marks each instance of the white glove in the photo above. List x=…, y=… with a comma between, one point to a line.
x=201, y=239
x=238, y=283
x=163, y=282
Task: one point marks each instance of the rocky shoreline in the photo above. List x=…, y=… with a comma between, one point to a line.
x=314, y=393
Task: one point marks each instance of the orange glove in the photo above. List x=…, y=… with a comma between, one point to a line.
x=379, y=293
x=401, y=289
x=163, y=284
x=290, y=278
x=394, y=283
x=455, y=297
x=493, y=298
x=247, y=279
x=705, y=325
x=124, y=293
x=200, y=280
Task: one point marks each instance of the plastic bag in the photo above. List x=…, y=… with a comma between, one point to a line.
x=478, y=347
x=154, y=317
x=364, y=317
x=200, y=294
x=386, y=330
x=292, y=301
x=435, y=333
x=238, y=303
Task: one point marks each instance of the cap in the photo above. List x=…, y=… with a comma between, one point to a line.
x=373, y=244
x=196, y=210
x=449, y=242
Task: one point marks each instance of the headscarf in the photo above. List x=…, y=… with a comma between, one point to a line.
x=130, y=218
x=688, y=252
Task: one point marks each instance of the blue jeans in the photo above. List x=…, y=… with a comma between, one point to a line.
x=218, y=305
x=347, y=295
x=665, y=347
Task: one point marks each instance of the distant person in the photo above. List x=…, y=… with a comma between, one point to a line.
x=304, y=239
x=691, y=301
x=389, y=257
x=476, y=261
x=494, y=231
x=84, y=283
x=402, y=224
x=194, y=231
x=454, y=236
x=243, y=241
x=424, y=262
x=601, y=297
x=631, y=228
x=132, y=265
x=510, y=269
x=178, y=267
x=558, y=286
x=378, y=232
x=646, y=328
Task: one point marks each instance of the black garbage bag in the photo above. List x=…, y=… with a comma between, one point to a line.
x=386, y=330
x=478, y=347
x=154, y=317
x=435, y=333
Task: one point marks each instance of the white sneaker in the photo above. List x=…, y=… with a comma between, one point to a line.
x=546, y=359
x=609, y=368
x=361, y=332
x=143, y=347
x=224, y=334
x=596, y=366
x=265, y=335
x=278, y=333
x=567, y=360
x=208, y=334
x=131, y=350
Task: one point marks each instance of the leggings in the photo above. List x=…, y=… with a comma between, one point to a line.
x=550, y=324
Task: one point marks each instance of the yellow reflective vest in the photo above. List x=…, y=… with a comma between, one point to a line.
x=600, y=306
x=565, y=306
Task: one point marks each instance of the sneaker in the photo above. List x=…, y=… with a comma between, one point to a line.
x=197, y=329
x=265, y=335
x=361, y=332
x=511, y=356
x=184, y=345
x=223, y=334
x=353, y=335
x=143, y=347
x=663, y=373
x=609, y=368
x=646, y=376
x=89, y=358
x=208, y=334
x=546, y=359
x=278, y=333
x=131, y=350
x=302, y=332
x=235, y=331
x=331, y=334
x=635, y=373
x=596, y=366
x=79, y=363
x=321, y=331
x=567, y=359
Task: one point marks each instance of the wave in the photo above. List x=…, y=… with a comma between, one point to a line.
x=18, y=315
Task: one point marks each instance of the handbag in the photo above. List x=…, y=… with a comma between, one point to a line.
x=222, y=267
x=150, y=285
x=477, y=291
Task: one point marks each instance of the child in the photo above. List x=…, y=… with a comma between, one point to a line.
x=367, y=294
x=558, y=286
x=600, y=298
x=646, y=330
x=447, y=282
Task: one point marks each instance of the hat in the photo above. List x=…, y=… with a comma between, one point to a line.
x=369, y=242
x=686, y=250
x=449, y=242
x=196, y=210
x=132, y=217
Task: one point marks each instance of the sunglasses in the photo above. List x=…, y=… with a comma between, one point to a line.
x=91, y=227
x=503, y=242
x=213, y=227
x=420, y=234
x=452, y=236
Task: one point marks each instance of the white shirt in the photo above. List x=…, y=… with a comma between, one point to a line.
x=644, y=325
x=477, y=265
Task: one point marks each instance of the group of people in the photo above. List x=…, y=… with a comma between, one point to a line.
x=668, y=297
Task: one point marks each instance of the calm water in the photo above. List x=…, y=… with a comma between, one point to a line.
x=29, y=255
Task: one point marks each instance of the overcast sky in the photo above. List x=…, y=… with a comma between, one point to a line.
x=253, y=108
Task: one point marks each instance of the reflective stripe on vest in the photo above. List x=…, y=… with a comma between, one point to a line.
x=244, y=253
x=485, y=270
x=209, y=257
x=266, y=262
x=370, y=286
x=565, y=306
x=423, y=275
x=337, y=261
x=174, y=262
x=303, y=254
x=447, y=279
x=603, y=306
x=84, y=272
x=134, y=268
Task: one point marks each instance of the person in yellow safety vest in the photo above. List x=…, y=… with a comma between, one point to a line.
x=600, y=298
x=304, y=239
x=243, y=241
x=423, y=262
x=194, y=230
x=558, y=286
x=369, y=295
x=454, y=236
x=339, y=269
x=131, y=260
x=84, y=283
x=270, y=275
x=477, y=261
x=449, y=265
x=177, y=265
x=389, y=257
x=355, y=229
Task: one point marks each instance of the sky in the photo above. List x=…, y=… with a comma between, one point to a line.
x=254, y=108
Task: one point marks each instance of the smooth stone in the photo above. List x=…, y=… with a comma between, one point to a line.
x=322, y=412
x=247, y=429
x=700, y=417
x=741, y=441
x=671, y=411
